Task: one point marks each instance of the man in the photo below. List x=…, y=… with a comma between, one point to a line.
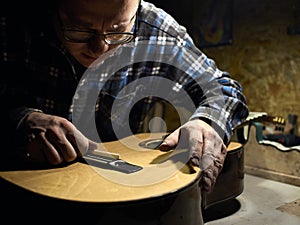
x=45, y=55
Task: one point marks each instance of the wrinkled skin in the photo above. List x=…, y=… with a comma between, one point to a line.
x=206, y=149
x=54, y=140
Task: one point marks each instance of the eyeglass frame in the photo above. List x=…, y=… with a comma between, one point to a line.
x=95, y=33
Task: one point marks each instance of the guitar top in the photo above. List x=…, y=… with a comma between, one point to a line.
x=162, y=173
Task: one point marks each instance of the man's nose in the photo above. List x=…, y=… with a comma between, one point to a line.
x=98, y=45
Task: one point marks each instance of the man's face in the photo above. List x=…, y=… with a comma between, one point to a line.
x=94, y=16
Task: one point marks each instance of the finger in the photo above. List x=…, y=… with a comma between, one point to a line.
x=92, y=146
x=214, y=151
x=34, y=150
x=170, y=141
x=210, y=174
x=196, y=149
x=207, y=183
x=80, y=143
x=62, y=145
x=195, y=146
x=50, y=153
x=218, y=158
x=207, y=160
x=209, y=178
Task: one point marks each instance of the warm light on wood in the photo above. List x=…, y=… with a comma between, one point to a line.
x=161, y=175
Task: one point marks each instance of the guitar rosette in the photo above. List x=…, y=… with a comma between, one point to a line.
x=108, y=82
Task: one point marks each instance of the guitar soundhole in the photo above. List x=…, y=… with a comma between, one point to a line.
x=151, y=143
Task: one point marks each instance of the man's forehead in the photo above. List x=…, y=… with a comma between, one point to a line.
x=121, y=11
x=99, y=6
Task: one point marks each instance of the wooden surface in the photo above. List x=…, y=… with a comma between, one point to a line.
x=160, y=175
x=269, y=162
x=163, y=173
x=230, y=182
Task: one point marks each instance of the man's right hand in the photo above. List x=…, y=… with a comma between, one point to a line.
x=54, y=139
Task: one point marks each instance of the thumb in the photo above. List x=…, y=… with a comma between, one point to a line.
x=92, y=146
x=82, y=143
x=170, y=141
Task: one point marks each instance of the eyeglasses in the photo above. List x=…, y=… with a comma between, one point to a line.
x=85, y=35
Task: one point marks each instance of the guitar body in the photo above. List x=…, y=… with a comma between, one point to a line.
x=165, y=191
x=230, y=182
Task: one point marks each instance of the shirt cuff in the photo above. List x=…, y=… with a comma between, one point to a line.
x=23, y=115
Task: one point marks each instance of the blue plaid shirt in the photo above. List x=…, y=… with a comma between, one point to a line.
x=38, y=73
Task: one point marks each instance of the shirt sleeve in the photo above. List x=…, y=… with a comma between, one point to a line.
x=218, y=98
x=223, y=104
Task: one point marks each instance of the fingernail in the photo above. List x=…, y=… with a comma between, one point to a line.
x=164, y=146
x=195, y=161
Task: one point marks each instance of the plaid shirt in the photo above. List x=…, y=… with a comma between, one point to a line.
x=38, y=73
